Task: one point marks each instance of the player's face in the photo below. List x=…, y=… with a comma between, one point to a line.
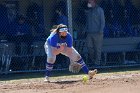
x=63, y=34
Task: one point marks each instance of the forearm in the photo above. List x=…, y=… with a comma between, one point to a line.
x=56, y=51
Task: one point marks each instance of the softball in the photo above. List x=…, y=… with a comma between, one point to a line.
x=85, y=78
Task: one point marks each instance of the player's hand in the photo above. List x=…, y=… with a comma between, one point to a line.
x=61, y=47
x=57, y=51
x=74, y=67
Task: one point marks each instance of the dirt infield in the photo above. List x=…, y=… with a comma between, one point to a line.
x=102, y=83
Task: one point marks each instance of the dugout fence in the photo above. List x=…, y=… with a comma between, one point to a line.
x=121, y=34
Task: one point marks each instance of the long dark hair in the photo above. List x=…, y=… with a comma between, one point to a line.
x=56, y=28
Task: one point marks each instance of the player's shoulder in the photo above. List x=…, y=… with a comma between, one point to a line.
x=52, y=35
x=69, y=35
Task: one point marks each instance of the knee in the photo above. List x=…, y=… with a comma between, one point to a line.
x=51, y=60
x=78, y=57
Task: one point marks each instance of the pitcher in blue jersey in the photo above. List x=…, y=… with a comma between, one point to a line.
x=60, y=41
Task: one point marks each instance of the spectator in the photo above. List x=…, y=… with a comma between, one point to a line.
x=4, y=23
x=117, y=11
x=80, y=20
x=36, y=18
x=81, y=17
x=61, y=18
x=60, y=6
x=95, y=25
x=131, y=12
x=20, y=31
x=130, y=18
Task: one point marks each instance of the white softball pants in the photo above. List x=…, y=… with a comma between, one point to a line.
x=74, y=56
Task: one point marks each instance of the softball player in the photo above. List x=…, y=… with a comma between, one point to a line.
x=60, y=41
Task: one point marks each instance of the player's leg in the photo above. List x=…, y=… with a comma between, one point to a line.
x=50, y=61
x=76, y=57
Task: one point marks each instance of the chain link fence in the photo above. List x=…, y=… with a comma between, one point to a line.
x=23, y=36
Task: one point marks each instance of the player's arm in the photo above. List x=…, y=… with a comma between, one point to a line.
x=57, y=51
x=69, y=44
x=55, y=48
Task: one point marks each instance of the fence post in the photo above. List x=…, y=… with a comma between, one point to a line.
x=69, y=7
